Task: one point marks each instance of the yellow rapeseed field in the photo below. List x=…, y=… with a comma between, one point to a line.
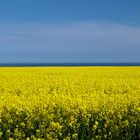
x=69, y=103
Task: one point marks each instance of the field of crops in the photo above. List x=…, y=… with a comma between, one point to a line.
x=70, y=103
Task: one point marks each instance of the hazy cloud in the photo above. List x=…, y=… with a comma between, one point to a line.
x=79, y=41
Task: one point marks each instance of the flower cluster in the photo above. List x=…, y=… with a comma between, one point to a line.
x=69, y=103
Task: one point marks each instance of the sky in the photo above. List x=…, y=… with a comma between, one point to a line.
x=69, y=31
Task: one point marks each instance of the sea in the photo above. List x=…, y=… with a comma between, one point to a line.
x=65, y=64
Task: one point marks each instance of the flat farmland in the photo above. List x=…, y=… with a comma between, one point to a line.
x=69, y=103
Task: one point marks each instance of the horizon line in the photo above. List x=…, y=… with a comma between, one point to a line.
x=34, y=64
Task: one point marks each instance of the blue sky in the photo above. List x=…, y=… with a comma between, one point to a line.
x=69, y=31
